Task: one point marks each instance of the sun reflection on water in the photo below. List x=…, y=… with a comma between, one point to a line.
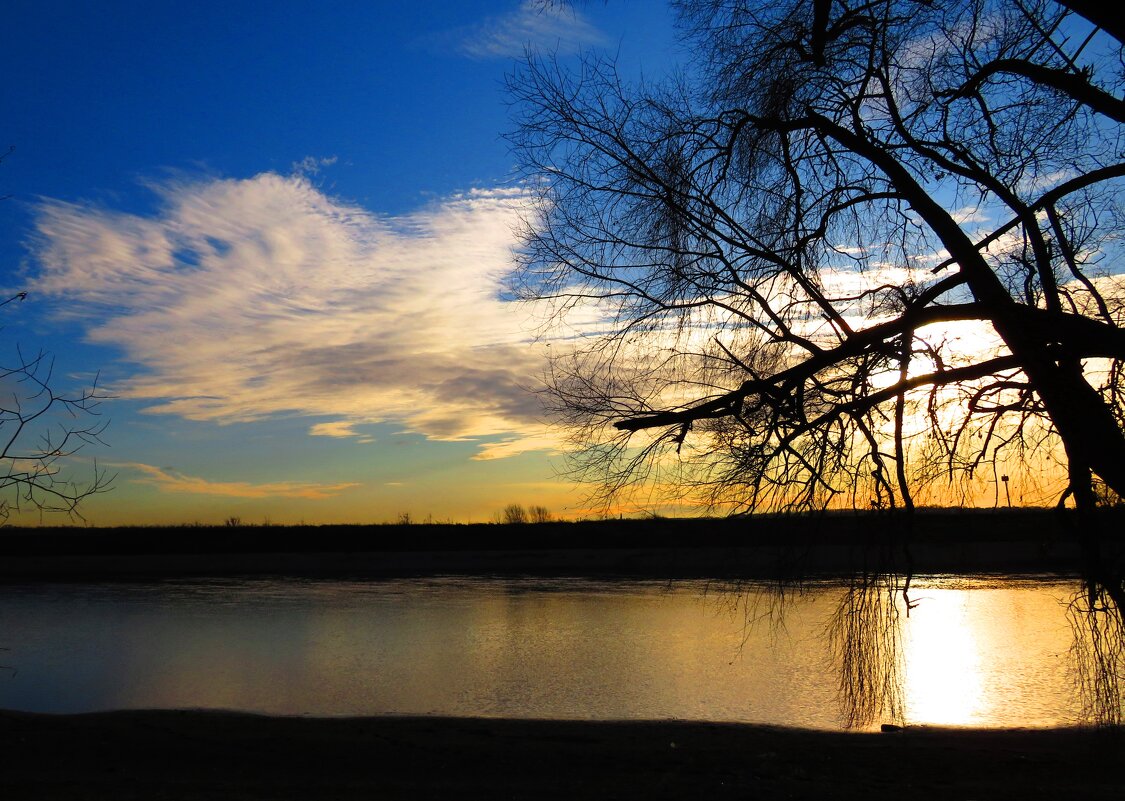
x=943, y=676
x=966, y=652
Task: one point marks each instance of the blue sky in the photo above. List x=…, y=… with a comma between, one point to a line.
x=278, y=231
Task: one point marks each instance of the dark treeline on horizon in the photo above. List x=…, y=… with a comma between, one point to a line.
x=951, y=540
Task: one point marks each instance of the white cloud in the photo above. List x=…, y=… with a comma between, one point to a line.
x=311, y=165
x=969, y=214
x=841, y=283
x=244, y=299
x=536, y=24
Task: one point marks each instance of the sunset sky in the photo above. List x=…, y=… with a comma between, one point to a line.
x=279, y=232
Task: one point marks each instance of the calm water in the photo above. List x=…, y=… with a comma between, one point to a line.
x=978, y=653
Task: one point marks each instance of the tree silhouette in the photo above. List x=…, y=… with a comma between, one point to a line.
x=853, y=250
x=514, y=514
x=40, y=429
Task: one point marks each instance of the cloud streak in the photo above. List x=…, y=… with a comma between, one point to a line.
x=169, y=480
x=244, y=299
x=536, y=24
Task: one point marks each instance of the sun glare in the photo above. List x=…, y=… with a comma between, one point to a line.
x=944, y=683
x=967, y=652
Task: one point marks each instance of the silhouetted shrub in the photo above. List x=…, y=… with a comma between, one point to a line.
x=514, y=514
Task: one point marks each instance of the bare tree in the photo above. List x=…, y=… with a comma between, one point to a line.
x=514, y=514
x=40, y=430
x=539, y=514
x=854, y=251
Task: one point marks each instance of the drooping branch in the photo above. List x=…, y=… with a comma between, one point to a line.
x=728, y=404
x=1075, y=86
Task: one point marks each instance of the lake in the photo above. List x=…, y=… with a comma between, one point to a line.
x=979, y=652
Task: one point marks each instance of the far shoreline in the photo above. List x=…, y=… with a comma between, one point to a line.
x=947, y=541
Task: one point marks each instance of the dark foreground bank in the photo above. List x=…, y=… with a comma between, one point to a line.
x=198, y=755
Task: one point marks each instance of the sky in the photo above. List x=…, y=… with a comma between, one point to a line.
x=276, y=234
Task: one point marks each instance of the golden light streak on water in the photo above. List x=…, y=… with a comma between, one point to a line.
x=943, y=683
x=967, y=652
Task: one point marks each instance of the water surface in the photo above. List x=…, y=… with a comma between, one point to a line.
x=975, y=653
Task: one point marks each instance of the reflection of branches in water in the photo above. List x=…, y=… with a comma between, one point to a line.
x=1095, y=616
x=865, y=641
x=757, y=603
x=864, y=637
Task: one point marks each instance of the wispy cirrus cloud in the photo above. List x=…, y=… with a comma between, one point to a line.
x=340, y=429
x=169, y=480
x=243, y=299
x=535, y=24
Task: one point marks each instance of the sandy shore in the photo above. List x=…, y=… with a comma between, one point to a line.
x=201, y=755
